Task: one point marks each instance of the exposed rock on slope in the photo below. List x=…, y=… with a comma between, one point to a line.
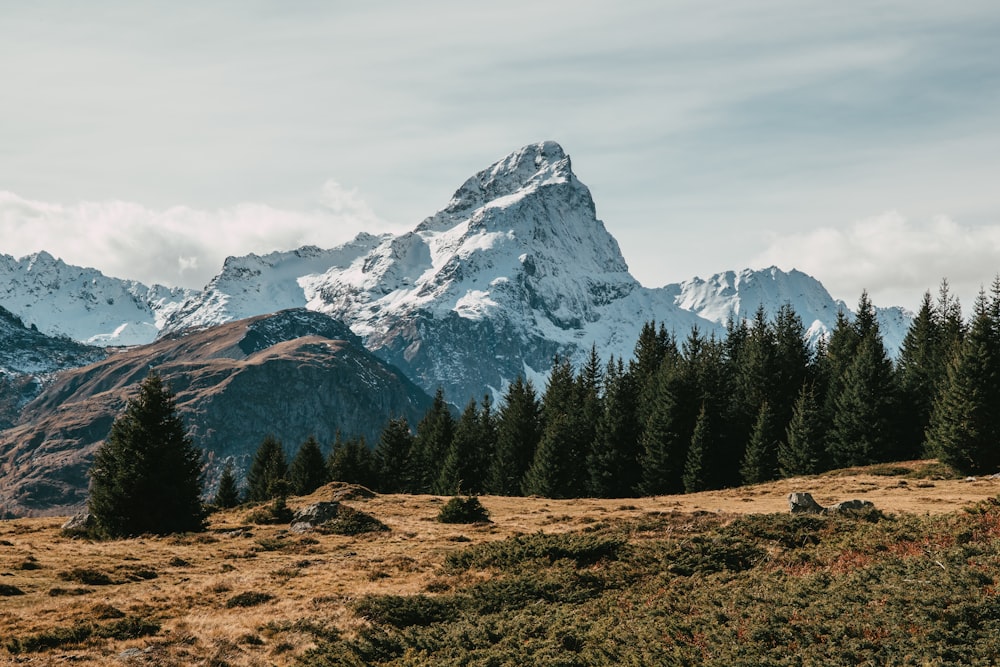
x=295, y=373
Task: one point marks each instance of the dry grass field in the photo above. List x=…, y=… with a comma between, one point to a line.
x=244, y=594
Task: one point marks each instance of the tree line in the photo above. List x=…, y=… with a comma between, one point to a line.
x=755, y=404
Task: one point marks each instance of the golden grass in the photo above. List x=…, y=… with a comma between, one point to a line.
x=314, y=577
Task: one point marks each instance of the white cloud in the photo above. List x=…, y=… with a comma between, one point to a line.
x=894, y=258
x=180, y=245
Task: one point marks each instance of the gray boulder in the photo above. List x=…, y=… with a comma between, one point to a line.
x=803, y=503
x=78, y=524
x=311, y=516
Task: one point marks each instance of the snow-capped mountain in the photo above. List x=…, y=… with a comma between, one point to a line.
x=515, y=269
x=61, y=300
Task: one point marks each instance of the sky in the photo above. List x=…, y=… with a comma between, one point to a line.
x=856, y=141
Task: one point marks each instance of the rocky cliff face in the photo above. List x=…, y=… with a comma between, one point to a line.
x=293, y=374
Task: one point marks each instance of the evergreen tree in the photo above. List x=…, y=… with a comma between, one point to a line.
x=351, y=461
x=228, y=494
x=464, y=467
x=518, y=430
x=760, y=463
x=864, y=415
x=268, y=470
x=147, y=475
x=433, y=439
x=699, y=454
x=793, y=361
x=308, y=471
x=964, y=431
x=558, y=469
x=612, y=461
x=393, y=464
x=665, y=436
x=921, y=371
x=801, y=453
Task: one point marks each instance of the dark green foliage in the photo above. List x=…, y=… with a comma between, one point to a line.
x=351, y=461
x=88, y=576
x=760, y=590
x=431, y=444
x=268, y=470
x=146, y=476
x=228, y=494
x=248, y=599
x=466, y=462
x=864, y=409
x=699, y=456
x=275, y=512
x=8, y=590
x=760, y=463
x=350, y=521
x=401, y=612
x=964, y=431
x=612, y=461
x=665, y=438
x=393, y=458
x=308, y=471
x=463, y=510
x=582, y=550
x=802, y=450
x=518, y=430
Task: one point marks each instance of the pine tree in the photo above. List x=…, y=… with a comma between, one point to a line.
x=147, y=475
x=964, y=431
x=612, y=461
x=801, y=452
x=351, y=461
x=518, y=430
x=228, y=494
x=864, y=417
x=464, y=467
x=665, y=436
x=698, y=456
x=392, y=454
x=760, y=463
x=268, y=472
x=921, y=370
x=308, y=471
x=433, y=439
x=558, y=469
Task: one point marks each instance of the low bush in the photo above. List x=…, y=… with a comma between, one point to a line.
x=8, y=590
x=248, y=599
x=405, y=611
x=463, y=510
x=582, y=550
x=88, y=576
x=350, y=521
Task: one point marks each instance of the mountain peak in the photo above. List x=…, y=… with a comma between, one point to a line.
x=520, y=172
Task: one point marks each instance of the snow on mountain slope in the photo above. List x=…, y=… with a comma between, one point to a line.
x=82, y=303
x=738, y=294
x=514, y=269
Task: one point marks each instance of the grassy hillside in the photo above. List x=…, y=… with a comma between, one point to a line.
x=715, y=578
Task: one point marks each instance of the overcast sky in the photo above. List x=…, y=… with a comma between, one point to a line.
x=859, y=142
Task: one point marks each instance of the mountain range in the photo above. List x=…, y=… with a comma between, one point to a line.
x=515, y=269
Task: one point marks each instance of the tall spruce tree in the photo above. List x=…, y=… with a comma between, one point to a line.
x=699, y=455
x=351, y=461
x=308, y=470
x=964, y=431
x=464, y=467
x=666, y=433
x=802, y=451
x=518, y=430
x=147, y=475
x=228, y=493
x=921, y=371
x=393, y=462
x=431, y=444
x=760, y=462
x=612, y=462
x=268, y=471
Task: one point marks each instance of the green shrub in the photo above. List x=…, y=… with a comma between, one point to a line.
x=88, y=576
x=8, y=590
x=583, y=550
x=405, y=611
x=463, y=510
x=350, y=521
